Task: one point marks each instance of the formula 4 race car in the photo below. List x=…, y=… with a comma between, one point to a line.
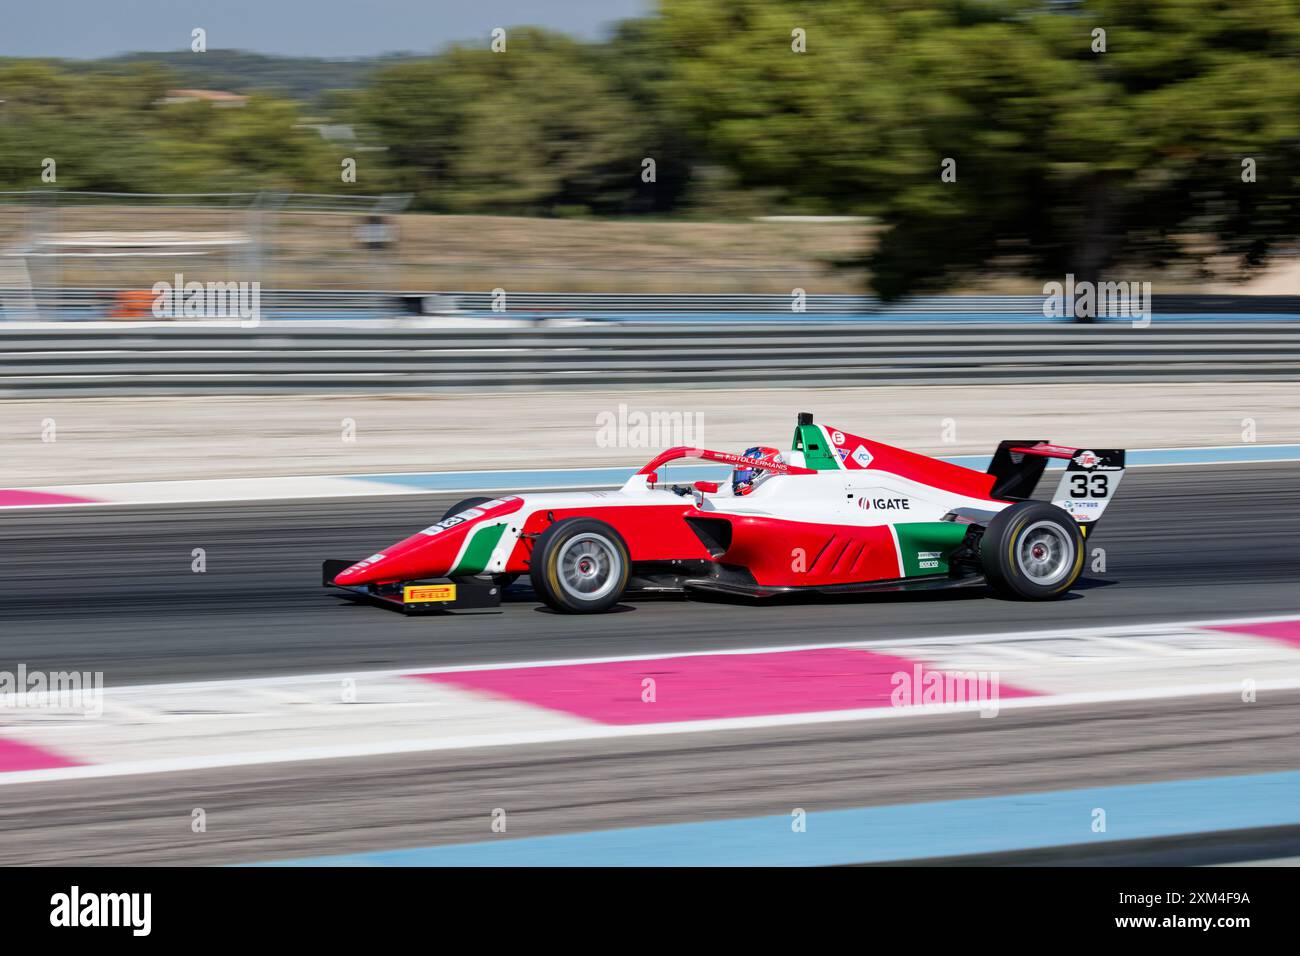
x=835, y=513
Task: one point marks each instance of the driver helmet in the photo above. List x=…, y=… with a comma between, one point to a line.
x=743, y=479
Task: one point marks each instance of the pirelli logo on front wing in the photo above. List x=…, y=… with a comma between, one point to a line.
x=427, y=593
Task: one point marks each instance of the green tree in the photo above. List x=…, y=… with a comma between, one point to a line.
x=97, y=133
x=535, y=129
x=112, y=131
x=1067, y=159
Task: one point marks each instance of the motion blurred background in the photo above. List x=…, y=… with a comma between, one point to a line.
x=736, y=146
x=690, y=198
x=543, y=214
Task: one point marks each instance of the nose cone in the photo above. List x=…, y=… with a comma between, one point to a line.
x=365, y=572
x=419, y=556
x=436, y=551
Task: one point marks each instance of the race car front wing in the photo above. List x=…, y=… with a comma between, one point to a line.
x=431, y=596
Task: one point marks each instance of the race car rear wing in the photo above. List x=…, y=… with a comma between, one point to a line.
x=1085, y=489
x=1016, y=469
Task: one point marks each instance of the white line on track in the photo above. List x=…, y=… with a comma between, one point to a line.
x=877, y=643
x=605, y=732
x=591, y=730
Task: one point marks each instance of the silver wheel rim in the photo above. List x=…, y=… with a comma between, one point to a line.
x=590, y=566
x=1045, y=553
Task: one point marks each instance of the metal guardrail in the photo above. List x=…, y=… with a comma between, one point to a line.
x=291, y=357
x=1027, y=305
x=97, y=302
x=598, y=302
x=618, y=304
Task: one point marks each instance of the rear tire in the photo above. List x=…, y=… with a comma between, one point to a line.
x=1032, y=551
x=580, y=566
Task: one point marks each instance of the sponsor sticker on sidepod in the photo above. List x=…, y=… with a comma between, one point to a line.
x=885, y=504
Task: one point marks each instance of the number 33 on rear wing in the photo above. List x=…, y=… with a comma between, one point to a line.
x=1085, y=489
x=1089, y=483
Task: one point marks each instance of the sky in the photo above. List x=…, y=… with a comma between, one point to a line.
x=88, y=29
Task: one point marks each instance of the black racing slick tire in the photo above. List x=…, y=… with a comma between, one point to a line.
x=1032, y=551
x=580, y=566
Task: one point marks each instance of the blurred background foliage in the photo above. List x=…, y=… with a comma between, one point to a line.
x=1067, y=159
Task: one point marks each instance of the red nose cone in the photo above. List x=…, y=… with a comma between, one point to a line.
x=365, y=572
x=430, y=553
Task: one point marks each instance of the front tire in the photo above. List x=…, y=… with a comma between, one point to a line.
x=1032, y=551
x=580, y=566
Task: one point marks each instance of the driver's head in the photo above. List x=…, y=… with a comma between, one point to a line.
x=742, y=479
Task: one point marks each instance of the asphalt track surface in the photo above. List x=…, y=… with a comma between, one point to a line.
x=112, y=589
x=302, y=810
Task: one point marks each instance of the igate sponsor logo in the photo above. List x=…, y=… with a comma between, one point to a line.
x=885, y=504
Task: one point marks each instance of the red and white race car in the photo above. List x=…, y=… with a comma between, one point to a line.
x=833, y=513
